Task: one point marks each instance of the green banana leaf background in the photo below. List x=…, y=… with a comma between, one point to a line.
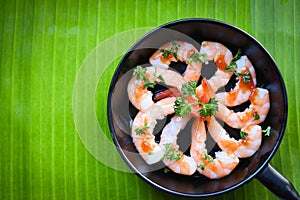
x=43, y=46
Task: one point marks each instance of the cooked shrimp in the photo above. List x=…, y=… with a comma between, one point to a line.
x=222, y=58
x=182, y=51
x=242, y=148
x=254, y=114
x=219, y=167
x=138, y=94
x=143, y=126
x=243, y=88
x=174, y=158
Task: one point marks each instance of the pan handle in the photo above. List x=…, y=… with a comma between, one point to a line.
x=277, y=183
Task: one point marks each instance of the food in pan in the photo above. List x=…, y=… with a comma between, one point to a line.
x=186, y=100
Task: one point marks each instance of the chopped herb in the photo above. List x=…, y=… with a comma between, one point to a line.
x=232, y=65
x=150, y=153
x=166, y=53
x=246, y=76
x=243, y=134
x=189, y=88
x=159, y=77
x=197, y=57
x=208, y=158
x=201, y=166
x=166, y=170
x=210, y=108
x=141, y=130
x=173, y=51
x=267, y=132
x=181, y=107
x=256, y=116
x=171, y=153
x=140, y=72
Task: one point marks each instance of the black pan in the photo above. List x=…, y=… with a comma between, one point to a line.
x=121, y=112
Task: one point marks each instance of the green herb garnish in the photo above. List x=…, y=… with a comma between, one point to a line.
x=246, y=76
x=208, y=158
x=140, y=131
x=232, y=65
x=173, y=51
x=181, y=107
x=140, y=73
x=267, y=131
x=243, y=134
x=210, y=108
x=189, y=88
x=201, y=166
x=197, y=57
x=159, y=77
x=171, y=153
x=166, y=170
x=256, y=116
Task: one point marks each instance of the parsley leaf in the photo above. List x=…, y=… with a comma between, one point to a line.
x=267, y=131
x=197, y=57
x=189, y=88
x=141, y=130
x=256, y=116
x=246, y=76
x=243, y=134
x=173, y=51
x=140, y=72
x=181, y=107
x=232, y=65
x=210, y=108
x=208, y=158
x=166, y=170
x=201, y=166
x=171, y=153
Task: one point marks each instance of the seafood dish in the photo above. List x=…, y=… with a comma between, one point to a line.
x=192, y=98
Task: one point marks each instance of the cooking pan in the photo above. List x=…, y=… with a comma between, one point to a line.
x=121, y=112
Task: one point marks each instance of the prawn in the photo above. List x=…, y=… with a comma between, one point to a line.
x=219, y=167
x=138, y=94
x=243, y=89
x=143, y=126
x=254, y=114
x=173, y=157
x=184, y=52
x=242, y=148
x=222, y=57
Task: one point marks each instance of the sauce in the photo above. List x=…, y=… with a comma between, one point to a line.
x=146, y=146
x=243, y=87
x=230, y=145
x=220, y=62
x=139, y=92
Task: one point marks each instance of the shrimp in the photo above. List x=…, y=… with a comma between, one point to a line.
x=173, y=51
x=254, y=114
x=173, y=157
x=243, y=88
x=138, y=94
x=219, y=167
x=184, y=52
x=222, y=58
x=242, y=148
x=143, y=126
